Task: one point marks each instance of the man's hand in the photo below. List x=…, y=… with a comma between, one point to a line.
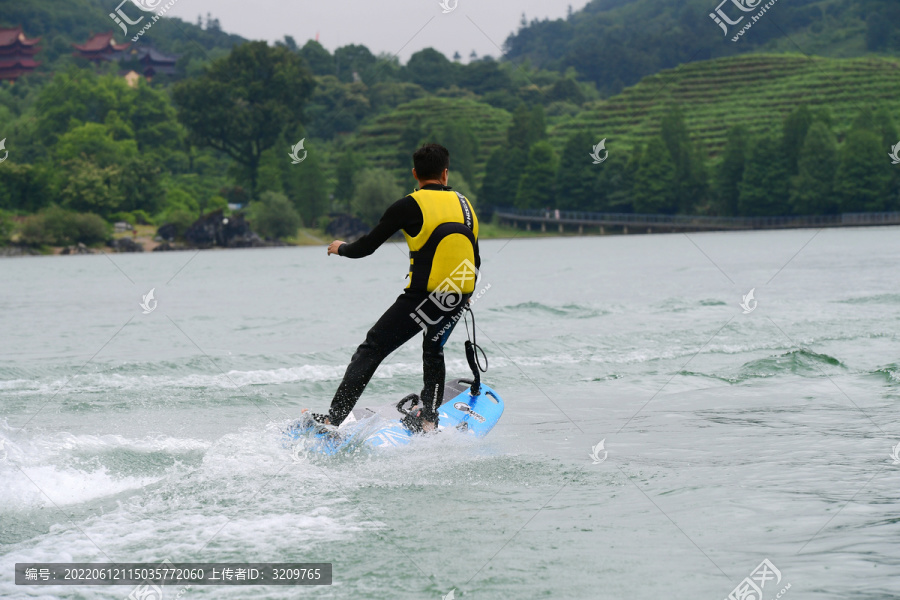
x=333, y=247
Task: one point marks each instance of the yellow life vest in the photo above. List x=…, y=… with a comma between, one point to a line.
x=442, y=255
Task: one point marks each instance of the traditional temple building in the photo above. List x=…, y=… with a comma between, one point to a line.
x=16, y=53
x=101, y=47
x=153, y=62
x=144, y=60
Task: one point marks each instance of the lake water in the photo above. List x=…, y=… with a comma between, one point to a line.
x=729, y=438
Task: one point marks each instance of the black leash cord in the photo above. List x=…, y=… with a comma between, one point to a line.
x=472, y=350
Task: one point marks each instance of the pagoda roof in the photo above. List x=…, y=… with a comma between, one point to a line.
x=13, y=35
x=101, y=42
x=155, y=56
x=26, y=63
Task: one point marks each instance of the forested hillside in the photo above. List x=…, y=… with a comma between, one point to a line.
x=296, y=134
x=63, y=22
x=615, y=43
x=755, y=91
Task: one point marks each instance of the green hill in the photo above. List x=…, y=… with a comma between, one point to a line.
x=616, y=43
x=104, y=147
x=756, y=91
x=389, y=140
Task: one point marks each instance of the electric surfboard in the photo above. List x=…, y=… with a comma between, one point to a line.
x=371, y=428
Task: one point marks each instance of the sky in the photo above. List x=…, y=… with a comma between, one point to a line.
x=397, y=27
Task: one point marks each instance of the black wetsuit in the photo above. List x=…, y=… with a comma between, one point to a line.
x=397, y=325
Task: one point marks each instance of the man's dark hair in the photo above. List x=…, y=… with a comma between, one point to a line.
x=430, y=161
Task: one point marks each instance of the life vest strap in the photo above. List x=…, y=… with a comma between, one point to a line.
x=468, y=220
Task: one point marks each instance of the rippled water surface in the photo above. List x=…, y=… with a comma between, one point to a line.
x=731, y=437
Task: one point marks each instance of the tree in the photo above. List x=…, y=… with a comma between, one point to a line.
x=654, y=186
x=485, y=76
x=508, y=163
x=577, y=175
x=730, y=171
x=376, y=190
x=796, y=127
x=140, y=187
x=763, y=191
x=883, y=125
x=241, y=103
x=494, y=190
x=290, y=43
x=812, y=190
x=57, y=226
x=878, y=32
x=529, y=125
x=566, y=90
x=348, y=166
x=273, y=216
x=94, y=142
x=386, y=68
x=353, y=62
x=306, y=186
x=690, y=174
x=5, y=228
x=144, y=114
x=386, y=95
x=337, y=107
x=863, y=177
x=25, y=187
x=536, y=188
x=461, y=185
x=431, y=69
x=154, y=120
x=613, y=189
x=75, y=97
x=271, y=168
x=459, y=139
x=320, y=60
x=86, y=187
x=864, y=119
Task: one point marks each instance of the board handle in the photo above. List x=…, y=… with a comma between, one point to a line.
x=413, y=399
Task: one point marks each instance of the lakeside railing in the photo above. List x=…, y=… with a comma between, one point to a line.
x=598, y=219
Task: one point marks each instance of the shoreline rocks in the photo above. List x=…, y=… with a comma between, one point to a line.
x=11, y=251
x=78, y=249
x=215, y=229
x=125, y=244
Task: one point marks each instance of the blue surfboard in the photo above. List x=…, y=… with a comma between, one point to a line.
x=371, y=428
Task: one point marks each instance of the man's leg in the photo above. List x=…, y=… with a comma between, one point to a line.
x=433, y=366
x=393, y=329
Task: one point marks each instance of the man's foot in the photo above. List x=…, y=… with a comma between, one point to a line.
x=321, y=423
x=417, y=424
x=317, y=417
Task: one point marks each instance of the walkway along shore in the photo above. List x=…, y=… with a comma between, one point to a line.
x=571, y=221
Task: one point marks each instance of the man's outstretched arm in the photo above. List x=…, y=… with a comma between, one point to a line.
x=403, y=214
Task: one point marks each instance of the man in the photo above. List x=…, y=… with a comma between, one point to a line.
x=441, y=231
